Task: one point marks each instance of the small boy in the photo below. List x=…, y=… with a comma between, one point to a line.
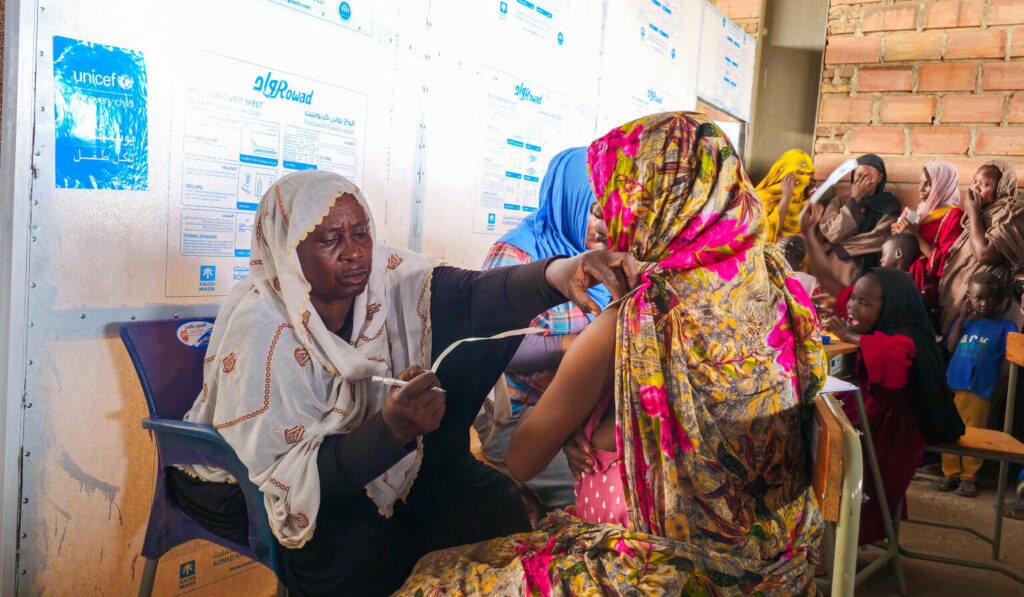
x=900, y=251
x=794, y=248
x=978, y=343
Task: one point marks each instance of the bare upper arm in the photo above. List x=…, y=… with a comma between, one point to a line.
x=583, y=378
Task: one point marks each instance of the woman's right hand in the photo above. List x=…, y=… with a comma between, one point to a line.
x=788, y=184
x=577, y=451
x=415, y=409
x=899, y=226
x=863, y=184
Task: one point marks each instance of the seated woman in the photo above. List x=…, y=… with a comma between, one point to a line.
x=784, y=190
x=902, y=379
x=562, y=225
x=992, y=239
x=693, y=385
x=287, y=384
x=937, y=227
x=857, y=224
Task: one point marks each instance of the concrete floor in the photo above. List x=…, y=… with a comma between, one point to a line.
x=940, y=580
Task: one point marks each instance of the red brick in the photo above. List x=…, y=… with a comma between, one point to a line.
x=1000, y=141
x=845, y=110
x=967, y=168
x=1002, y=75
x=825, y=163
x=827, y=146
x=841, y=2
x=842, y=50
x=901, y=169
x=1007, y=12
x=739, y=9
x=877, y=140
x=910, y=108
x=972, y=108
x=948, y=77
x=913, y=46
x=947, y=14
x=939, y=140
x=884, y=79
x=990, y=43
x=1017, y=108
x=893, y=18
x=1017, y=43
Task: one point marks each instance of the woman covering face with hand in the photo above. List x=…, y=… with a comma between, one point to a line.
x=360, y=479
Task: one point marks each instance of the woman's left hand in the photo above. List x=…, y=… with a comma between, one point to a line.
x=573, y=276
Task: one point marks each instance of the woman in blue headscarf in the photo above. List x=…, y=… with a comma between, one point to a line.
x=563, y=224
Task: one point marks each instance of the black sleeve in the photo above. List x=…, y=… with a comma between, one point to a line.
x=465, y=303
x=536, y=353
x=348, y=462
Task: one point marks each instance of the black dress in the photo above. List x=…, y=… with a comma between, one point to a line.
x=455, y=499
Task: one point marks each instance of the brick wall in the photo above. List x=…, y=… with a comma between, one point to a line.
x=922, y=80
x=744, y=13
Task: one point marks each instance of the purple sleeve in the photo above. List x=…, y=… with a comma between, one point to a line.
x=536, y=353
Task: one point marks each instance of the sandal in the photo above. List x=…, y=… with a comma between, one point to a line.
x=967, y=489
x=945, y=484
x=1015, y=511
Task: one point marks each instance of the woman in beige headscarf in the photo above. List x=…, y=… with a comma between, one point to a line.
x=992, y=238
x=359, y=481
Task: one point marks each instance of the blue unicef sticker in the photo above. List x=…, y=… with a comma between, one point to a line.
x=344, y=11
x=99, y=108
x=561, y=38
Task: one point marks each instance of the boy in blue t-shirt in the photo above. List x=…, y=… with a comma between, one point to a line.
x=978, y=342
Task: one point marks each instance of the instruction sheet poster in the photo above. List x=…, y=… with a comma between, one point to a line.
x=524, y=127
x=726, y=77
x=237, y=127
x=100, y=121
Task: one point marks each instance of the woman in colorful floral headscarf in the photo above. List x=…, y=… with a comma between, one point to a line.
x=708, y=363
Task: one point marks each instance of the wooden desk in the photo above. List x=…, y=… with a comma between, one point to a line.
x=838, y=347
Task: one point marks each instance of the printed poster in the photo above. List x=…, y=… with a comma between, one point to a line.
x=524, y=127
x=726, y=75
x=237, y=127
x=100, y=122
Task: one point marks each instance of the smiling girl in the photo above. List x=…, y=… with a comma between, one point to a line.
x=902, y=381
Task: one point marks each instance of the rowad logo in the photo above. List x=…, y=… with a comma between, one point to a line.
x=194, y=333
x=278, y=89
x=524, y=94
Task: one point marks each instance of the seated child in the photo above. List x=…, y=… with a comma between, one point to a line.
x=978, y=342
x=794, y=248
x=899, y=371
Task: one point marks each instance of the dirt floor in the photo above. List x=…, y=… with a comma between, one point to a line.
x=940, y=580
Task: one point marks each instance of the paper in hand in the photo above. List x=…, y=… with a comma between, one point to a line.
x=845, y=168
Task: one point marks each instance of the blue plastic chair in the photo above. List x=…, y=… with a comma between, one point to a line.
x=171, y=372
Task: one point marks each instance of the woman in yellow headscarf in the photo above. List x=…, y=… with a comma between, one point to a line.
x=784, y=191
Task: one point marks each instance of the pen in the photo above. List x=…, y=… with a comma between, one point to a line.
x=391, y=381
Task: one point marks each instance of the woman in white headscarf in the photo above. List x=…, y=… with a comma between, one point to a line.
x=335, y=455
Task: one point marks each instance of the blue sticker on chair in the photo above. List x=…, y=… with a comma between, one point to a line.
x=195, y=333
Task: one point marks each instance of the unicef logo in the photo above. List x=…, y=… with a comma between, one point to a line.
x=125, y=82
x=344, y=11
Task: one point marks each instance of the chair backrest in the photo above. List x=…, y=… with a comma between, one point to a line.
x=1015, y=348
x=168, y=356
x=827, y=470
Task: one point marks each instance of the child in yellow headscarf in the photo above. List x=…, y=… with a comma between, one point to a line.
x=784, y=190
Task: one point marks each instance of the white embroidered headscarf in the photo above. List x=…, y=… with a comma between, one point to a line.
x=276, y=380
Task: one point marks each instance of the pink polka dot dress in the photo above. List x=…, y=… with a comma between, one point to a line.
x=599, y=497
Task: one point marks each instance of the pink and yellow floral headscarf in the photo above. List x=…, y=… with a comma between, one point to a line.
x=715, y=351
